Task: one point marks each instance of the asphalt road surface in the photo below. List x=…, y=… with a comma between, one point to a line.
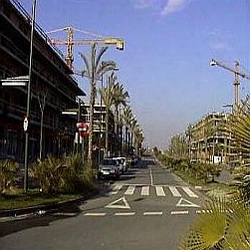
x=149, y=208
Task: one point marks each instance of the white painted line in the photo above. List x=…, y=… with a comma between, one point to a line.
x=186, y=203
x=145, y=191
x=116, y=189
x=159, y=191
x=151, y=177
x=174, y=191
x=130, y=190
x=120, y=203
x=125, y=214
x=95, y=214
x=189, y=192
x=152, y=213
x=179, y=212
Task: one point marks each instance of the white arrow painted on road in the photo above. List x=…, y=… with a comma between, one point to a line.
x=120, y=203
x=185, y=203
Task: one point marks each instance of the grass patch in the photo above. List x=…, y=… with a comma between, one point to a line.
x=188, y=178
x=32, y=198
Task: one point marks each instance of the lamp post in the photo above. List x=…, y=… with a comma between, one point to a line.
x=26, y=120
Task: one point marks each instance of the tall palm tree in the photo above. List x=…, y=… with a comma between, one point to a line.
x=120, y=98
x=107, y=98
x=139, y=137
x=132, y=127
x=126, y=117
x=94, y=69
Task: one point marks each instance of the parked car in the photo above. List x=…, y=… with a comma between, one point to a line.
x=109, y=168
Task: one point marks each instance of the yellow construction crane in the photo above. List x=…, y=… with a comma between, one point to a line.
x=236, y=72
x=70, y=42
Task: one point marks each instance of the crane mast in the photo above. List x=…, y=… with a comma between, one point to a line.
x=237, y=73
x=70, y=42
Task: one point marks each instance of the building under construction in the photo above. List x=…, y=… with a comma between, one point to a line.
x=53, y=89
x=209, y=141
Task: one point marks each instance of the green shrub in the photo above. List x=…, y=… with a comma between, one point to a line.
x=66, y=175
x=8, y=169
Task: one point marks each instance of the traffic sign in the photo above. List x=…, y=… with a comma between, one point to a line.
x=25, y=124
x=18, y=81
x=83, y=128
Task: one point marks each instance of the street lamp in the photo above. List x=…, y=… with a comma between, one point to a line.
x=26, y=120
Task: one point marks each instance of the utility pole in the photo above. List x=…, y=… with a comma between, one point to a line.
x=27, y=120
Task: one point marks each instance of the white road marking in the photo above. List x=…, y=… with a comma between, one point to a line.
x=152, y=213
x=145, y=191
x=186, y=203
x=95, y=214
x=116, y=189
x=125, y=214
x=179, y=212
x=130, y=190
x=120, y=203
x=174, y=191
x=189, y=192
x=151, y=177
x=159, y=191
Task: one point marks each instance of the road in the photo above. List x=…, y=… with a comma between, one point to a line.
x=148, y=208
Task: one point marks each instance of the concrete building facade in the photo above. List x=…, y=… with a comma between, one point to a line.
x=53, y=89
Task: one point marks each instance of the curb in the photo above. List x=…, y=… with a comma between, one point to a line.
x=39, y=209
x=43, y=208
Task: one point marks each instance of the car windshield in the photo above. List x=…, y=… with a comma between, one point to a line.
x=108, y=162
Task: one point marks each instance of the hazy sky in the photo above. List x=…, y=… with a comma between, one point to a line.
x=165, y=64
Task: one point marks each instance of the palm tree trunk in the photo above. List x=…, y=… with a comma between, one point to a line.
x=106, y=132
x=91, y=117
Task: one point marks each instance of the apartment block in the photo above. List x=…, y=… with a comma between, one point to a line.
x=53, y=89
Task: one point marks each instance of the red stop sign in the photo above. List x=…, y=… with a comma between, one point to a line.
x=83, y=128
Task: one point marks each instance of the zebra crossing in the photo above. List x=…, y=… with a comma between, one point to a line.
x=158, y=190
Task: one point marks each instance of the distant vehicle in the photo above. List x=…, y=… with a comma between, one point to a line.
x=109, y=168
x=135, y=159
x=123, y=164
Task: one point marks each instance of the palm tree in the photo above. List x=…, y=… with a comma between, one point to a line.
x=120, y=98
x=126, y=117
x=139, y=137
x=107, y=98
x=94, y=70
x=222, y=225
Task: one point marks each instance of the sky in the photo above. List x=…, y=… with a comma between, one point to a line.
x=165, y=65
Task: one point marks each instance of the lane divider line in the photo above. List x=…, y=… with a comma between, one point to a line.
x=179, y=212
x=152, y=213
x=125, y=214
x=95, y=214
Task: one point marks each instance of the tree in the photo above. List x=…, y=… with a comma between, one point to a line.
x=94, y=70
x=8, y=169
x=223, y=225
x=120, y=97
x=107, y=97
x=126, y=117
x=42, y=96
